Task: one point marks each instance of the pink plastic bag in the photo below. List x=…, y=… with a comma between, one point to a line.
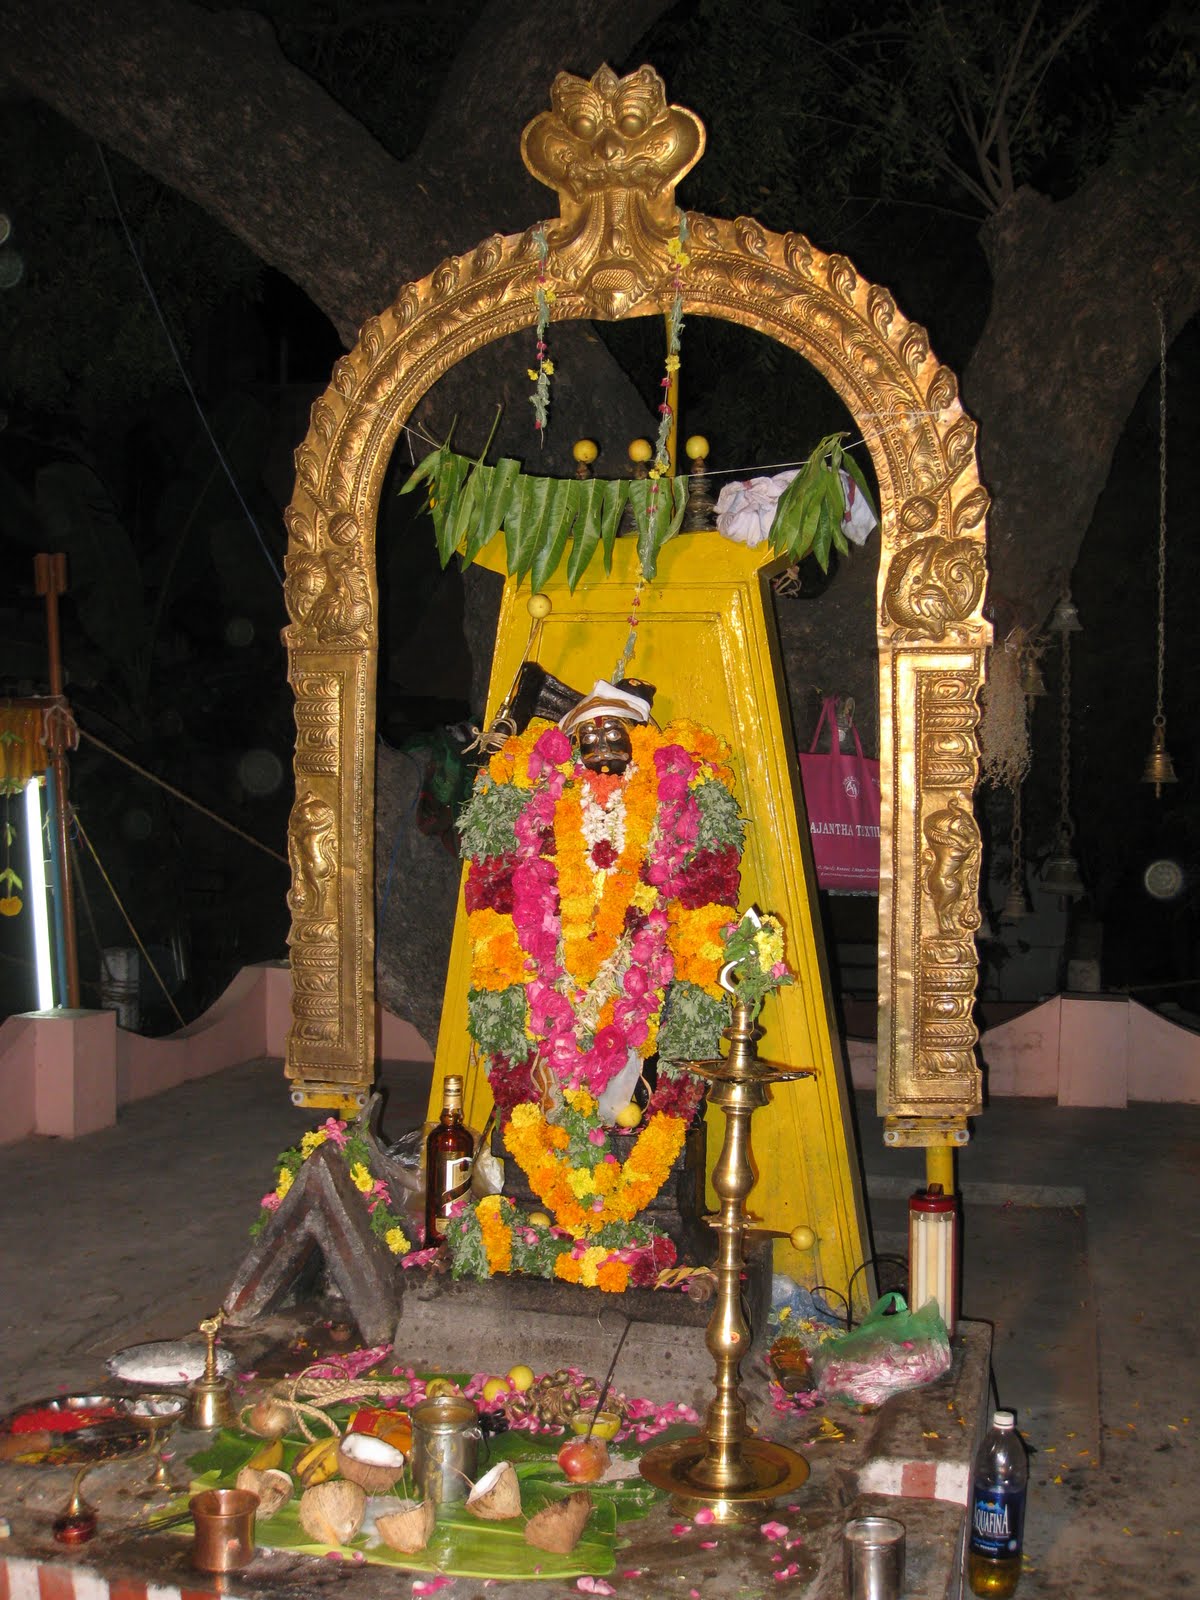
x=841, y=795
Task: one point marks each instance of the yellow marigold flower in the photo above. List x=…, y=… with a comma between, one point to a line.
x=284, y=1183
x=566, y=1267
x=361, y=1178
x=645, y=897
x=580, y=1100
x=580, y=1179
x=396, y=1241
x=532, y=374
x=312, y=1141
x=590, y=1263
x=548, y=368
x=672, y=363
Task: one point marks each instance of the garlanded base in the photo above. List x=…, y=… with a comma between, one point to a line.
x=767, y=1470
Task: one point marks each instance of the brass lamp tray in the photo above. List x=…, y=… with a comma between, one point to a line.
x=129, y=1425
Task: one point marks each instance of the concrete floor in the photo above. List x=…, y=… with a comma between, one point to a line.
x=1081, y=1237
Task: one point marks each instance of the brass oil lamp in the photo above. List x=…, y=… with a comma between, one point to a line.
x=725, y=1467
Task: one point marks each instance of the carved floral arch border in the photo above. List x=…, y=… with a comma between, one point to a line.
x=930, y=629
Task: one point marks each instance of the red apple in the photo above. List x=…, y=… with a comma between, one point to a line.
x=584, y=1460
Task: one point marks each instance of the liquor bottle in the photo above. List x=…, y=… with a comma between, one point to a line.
x=998, y=1510
x=448, y=1152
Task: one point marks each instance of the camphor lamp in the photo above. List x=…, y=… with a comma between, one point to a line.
x=933, y=1253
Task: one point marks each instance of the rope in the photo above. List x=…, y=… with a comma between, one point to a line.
x=329, y=1391
x=133, y=931
x=187, y=382
x=179, y=795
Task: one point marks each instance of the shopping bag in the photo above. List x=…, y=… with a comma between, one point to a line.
x=891, y=1350
x=841, y=795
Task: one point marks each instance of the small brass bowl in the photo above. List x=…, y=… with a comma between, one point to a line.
x=607, y=1424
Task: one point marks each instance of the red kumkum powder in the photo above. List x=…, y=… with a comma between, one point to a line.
x=49, y=1420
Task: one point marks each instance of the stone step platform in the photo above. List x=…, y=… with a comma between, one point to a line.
x=910, y=1460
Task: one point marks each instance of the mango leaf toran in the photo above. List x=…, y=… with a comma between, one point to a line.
x=470, y=501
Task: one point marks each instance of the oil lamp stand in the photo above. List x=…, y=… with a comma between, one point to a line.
x=725, y=1467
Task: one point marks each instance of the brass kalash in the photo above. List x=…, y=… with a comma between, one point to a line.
x=726, y=1467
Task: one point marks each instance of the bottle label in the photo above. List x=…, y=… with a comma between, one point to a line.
x=997, y=1516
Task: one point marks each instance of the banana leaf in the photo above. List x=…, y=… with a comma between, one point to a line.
x=462, y=1545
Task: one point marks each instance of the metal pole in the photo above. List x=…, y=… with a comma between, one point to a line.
x=50, y=580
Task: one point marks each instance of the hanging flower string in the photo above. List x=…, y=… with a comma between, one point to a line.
x=661, y=465
x=540, y=375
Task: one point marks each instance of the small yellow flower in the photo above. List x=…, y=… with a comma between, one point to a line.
x=549, y=295
x=312, y=1141
x=581, y=1181
x=360, y=1177
x=672, y=363
x=284, y=1183
x=396, y=1242
x=548, y=368
x=532, y=374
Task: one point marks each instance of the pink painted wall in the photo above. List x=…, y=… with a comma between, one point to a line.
x=64, y=1073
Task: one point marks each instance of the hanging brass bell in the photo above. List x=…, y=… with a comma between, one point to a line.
x=1061, y=874
x=1033, y=685
x=1160, y=768
x=1066, y=617
x=1015, y=906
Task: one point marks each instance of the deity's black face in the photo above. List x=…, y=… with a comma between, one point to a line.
x=604, y=745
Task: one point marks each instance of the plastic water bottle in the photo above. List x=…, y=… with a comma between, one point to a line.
x=998, y=1510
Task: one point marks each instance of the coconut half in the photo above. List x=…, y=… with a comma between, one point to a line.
x=497, y=1495
x=332, y=1513
x=409, y=1527
x=558, y=1528
x=273, y=1488
x=371, y=1462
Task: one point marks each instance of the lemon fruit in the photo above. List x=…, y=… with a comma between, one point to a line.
x=629, y=1116
x=521, y=1378
x=494, y=1389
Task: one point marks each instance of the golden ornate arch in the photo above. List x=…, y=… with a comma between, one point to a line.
x=615, y=149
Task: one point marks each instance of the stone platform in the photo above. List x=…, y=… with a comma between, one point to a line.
x=909, y=1460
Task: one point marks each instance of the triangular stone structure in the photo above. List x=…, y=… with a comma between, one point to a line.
x=323, y=1212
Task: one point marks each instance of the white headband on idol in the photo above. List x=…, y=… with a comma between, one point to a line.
x=606, y=700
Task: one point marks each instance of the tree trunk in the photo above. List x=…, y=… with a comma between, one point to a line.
x=1070, y=340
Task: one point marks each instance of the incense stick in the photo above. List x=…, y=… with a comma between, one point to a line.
x=607, y=1385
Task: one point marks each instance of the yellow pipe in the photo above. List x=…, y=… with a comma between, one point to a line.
x=939, y=1167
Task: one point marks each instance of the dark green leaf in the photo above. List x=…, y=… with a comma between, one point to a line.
x=494, y=507
x=525, y=521
x=587, y=529
x=616, y=496
x=468, y=504
x=823, y=536
x=561, y=511
x=855, y=471
x=424, y=470
x=443, y=499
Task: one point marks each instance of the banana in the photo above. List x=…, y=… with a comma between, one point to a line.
x=270, y=1455
x=319, y=1462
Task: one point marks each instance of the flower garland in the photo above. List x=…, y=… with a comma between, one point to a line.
x=573, y=1170
x=356, y=1152
x=589, y=896
x=494, y=1235
x=543, y=296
